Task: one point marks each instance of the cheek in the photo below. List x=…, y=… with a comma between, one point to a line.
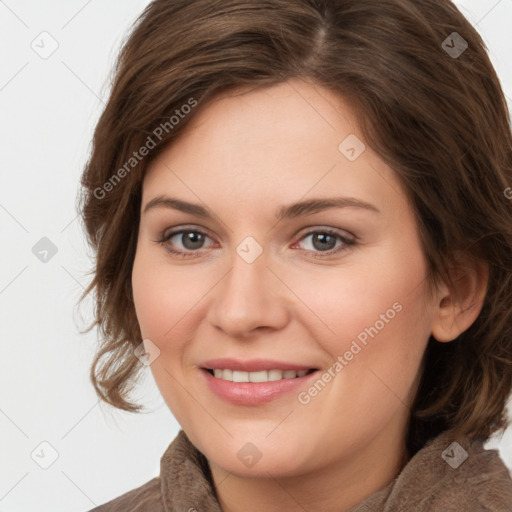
x=169, y=301
x=164, y=308
x=362, y=302
x=375, y=321
x=159, y=301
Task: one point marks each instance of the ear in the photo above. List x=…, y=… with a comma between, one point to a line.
x=457, y=307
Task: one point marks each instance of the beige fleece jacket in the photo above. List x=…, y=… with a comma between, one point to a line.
x=438, y=478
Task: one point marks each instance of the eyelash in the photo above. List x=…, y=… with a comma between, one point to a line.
x=164, y=238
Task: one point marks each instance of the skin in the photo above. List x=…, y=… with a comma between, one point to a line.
x=244, y=156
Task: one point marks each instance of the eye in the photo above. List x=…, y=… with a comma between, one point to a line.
x=190, y=239
x=323, y=242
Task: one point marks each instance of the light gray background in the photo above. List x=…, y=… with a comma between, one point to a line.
x=49, y=107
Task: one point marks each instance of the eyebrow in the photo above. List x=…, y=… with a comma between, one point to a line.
x=302, y=208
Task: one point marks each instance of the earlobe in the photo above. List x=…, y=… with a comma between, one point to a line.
x=459, y=306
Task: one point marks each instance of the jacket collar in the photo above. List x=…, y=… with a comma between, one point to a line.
x=186, y=478
x=431, y=480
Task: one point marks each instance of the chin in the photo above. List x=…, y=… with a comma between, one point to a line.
x=278, y=466
x=257, y=458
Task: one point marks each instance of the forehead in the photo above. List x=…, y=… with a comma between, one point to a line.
x=279, y=106
x=277, y=143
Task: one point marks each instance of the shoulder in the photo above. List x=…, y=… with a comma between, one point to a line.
x=146, y=498
x=465, y=476
x=449, y=476
x=483, y=480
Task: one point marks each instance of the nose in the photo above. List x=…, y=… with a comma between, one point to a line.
x=249, y=297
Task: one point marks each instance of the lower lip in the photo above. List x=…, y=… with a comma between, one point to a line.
x=253, y=393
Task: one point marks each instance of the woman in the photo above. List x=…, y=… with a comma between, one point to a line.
x=239, y=138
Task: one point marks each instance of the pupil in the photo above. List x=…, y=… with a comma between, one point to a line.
x=193, y=240
x=323, y=237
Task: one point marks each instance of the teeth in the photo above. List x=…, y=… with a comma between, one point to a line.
x=240, y=376
x=275, y=375
x=260, y=376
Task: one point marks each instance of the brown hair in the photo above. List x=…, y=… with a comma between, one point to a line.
x=438, y=118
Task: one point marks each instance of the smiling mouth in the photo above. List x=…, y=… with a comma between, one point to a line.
x=258, y=376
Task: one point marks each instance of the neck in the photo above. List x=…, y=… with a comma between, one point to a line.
x=367, y=471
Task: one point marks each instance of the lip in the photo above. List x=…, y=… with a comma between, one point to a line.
x=254, y=365
x=254, y=393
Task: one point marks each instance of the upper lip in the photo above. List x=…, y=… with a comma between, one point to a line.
x=252, y=365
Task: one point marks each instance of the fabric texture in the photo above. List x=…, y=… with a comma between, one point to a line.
x=438, y=478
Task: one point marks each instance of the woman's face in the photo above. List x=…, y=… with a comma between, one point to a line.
x=341, y=289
